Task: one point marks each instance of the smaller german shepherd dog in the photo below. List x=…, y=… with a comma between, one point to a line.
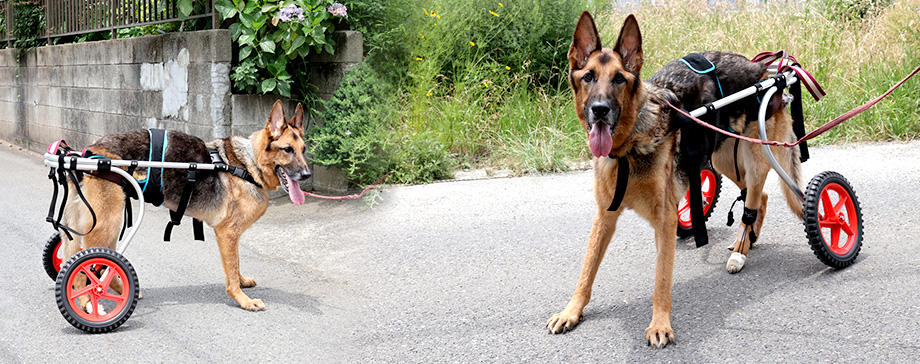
x=273, y=156
x=627, y=120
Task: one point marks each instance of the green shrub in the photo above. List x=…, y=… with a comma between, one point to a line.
x=28, y=28
x=349, y=136
x=274, y=38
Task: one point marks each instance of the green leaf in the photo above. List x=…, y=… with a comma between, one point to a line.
x=299, y=41
x=185, y=8
x=251, y=8
x=246, y=19
x=259, y=21
x=330, y=49
x=267, y=8
x=225, y=8
x=278, y=35
x=247, y=39
x=303, y=52
x=235, y=31
x=240, y=4
x=284, y=88
x=244, y=52
x=267, y=45
x=268, y=85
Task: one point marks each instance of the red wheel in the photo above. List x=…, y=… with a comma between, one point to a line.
x=710, y=185
x=86, y=290
x=53, y=255
x=833, y=220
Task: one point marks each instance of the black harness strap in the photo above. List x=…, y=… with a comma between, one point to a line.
x=748, y=218
x=176, y=216
x=153, y=188
x=798, y=119
x=622, y=182
x=238, y=172
x=737, y=171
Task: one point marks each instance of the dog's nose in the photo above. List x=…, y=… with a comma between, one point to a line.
x=305, y=174
x=600, y=110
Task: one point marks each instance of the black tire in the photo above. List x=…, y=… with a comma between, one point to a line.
x=50, y=253
x=816, y=238
x=109, y=257
x=685, y=232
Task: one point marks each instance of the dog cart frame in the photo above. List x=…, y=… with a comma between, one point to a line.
x=831, y=210
x=97, y=288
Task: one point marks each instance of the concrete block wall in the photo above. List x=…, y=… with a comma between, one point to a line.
x=177, y=81
x=80, y=92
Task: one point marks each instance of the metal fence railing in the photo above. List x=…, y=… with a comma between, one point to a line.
x=72, y=17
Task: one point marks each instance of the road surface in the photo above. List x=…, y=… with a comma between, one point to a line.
x=469, y=271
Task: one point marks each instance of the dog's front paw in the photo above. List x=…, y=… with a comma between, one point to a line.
x=562, y=322
x=659, y=336
x=735, y=262
x=246, y=282
x=253, y=305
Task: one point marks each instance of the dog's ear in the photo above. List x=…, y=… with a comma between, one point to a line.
x=276, y=122
x=629, y=45
x=585, y=41
x=297, y=120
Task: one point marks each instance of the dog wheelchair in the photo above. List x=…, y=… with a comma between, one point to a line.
x=831, y=211
x=97, y=288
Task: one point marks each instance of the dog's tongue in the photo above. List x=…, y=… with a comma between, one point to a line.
x=599, y=140
x=294, y=191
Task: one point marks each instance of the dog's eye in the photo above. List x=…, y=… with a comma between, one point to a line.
x=619, y=78
x=588, y=77
x=288, y=149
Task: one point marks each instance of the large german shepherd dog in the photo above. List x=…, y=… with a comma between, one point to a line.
x=625, y=117
x=273, y=156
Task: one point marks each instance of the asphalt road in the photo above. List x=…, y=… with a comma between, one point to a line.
x=469, y=271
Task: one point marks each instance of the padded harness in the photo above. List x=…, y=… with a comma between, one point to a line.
x=151, y=185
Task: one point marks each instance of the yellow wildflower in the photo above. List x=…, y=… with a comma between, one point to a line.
x=485, y=83
x=418, y=58
x=439, y=16
x=426, y=11
x=494, y=13
x=501, y=5
x=428, y=94
x=472, y=44
x=420, y=35
x=508, y=68
x=433, y=14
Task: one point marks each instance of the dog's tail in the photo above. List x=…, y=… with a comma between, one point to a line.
x=789, y=160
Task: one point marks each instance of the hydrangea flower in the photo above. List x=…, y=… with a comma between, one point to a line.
x=291, y=11
x=337, y=9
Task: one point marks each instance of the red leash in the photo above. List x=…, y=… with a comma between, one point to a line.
x=840, y=119
x=353, y=196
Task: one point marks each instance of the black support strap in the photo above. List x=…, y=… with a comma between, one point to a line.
x=748, y=218
x=622, y=182
x=798, y=119
x=176, y=216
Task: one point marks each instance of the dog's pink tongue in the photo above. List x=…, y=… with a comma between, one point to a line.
x=294, y=191
x=599, y=140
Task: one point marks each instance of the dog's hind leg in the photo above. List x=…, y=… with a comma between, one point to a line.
x=756, y=169
x=107, y=201
x=601, y=232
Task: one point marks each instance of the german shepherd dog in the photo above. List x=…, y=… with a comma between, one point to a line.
x=273, y=156
x=625, y=117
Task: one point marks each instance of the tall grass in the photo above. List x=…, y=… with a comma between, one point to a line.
x=483, y=84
